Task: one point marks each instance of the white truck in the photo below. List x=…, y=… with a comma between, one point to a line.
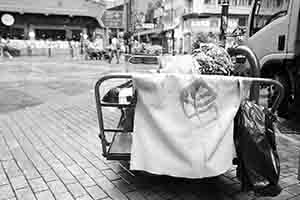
x=274, y=36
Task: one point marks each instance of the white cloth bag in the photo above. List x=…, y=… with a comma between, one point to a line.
x=183, y=124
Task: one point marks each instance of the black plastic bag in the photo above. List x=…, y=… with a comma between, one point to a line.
x=112, y=96
x=258, y=161
x=127, y=113
x=127, y=119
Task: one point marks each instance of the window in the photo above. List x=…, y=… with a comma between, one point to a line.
x=50, y=34
x=240, y=2
x=242, y=21
x=276, y=4
x=267, y=12
x=76, y=35
x=12, y=33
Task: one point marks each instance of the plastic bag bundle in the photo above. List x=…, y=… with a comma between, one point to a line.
x=212, y=59
x=114, y=95
x=258, y=160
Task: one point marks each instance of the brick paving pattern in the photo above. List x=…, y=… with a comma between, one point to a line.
x=52, y=151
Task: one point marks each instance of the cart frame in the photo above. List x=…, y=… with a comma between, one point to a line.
x=119, y=147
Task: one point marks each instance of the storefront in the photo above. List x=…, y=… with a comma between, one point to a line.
x=208, y=25
x=52, y=27
x=152, y=36
x=50, y=20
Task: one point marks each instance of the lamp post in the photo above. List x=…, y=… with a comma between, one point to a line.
x=224, y=21
x=173, y=29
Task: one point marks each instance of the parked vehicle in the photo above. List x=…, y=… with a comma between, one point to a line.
x=273, y=35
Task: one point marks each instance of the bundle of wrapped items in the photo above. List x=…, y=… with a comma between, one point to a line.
x=208, y=58
x=146, y=48
x=138, y=48
x=212, y=59
x=154, y=49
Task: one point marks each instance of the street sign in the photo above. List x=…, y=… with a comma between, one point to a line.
x=113, y=19
x=148, y=25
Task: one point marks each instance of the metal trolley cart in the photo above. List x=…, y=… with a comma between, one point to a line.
x=143, y=59
x=119, y=148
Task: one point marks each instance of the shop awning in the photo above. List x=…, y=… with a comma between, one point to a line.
x=148, y=32
x=61, y=7
x=194, y=15
x=156, y=31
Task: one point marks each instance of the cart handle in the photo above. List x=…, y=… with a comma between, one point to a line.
x=99, y=107
x=254, y=66
x=141, y=56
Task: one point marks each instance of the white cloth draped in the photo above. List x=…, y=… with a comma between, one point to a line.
x=183, y=124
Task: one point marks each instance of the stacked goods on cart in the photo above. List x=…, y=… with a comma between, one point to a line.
x=95, y=50
x=153, y=49
x=147, y=53
x=146, y=49
x=137, y=48
x=207, y=58
x=212, y=59
x=252, y=143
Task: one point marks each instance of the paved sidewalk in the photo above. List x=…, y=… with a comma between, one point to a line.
x=51, y=151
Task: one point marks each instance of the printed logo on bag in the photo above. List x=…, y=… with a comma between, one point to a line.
x=198, y=103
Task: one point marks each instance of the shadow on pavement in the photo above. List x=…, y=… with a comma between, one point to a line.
x=11, y=100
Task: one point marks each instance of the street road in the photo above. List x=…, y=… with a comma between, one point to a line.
x=26, y=82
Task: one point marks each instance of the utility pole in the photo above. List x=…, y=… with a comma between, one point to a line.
x=125, y=16
x=224, y=21
x=129, y=15
x=173, y=27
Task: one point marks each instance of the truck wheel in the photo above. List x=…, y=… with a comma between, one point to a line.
x=283, y=109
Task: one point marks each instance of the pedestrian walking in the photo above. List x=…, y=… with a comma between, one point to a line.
x=115, y=48
x=4, y=46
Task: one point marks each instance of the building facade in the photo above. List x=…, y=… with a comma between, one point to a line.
x=51, y=20
x=176, y=23
x=187, y=18
x=202, y=16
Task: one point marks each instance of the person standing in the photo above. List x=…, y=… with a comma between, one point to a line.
x=98, y=42
x=5, y=48
x=115, y=48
